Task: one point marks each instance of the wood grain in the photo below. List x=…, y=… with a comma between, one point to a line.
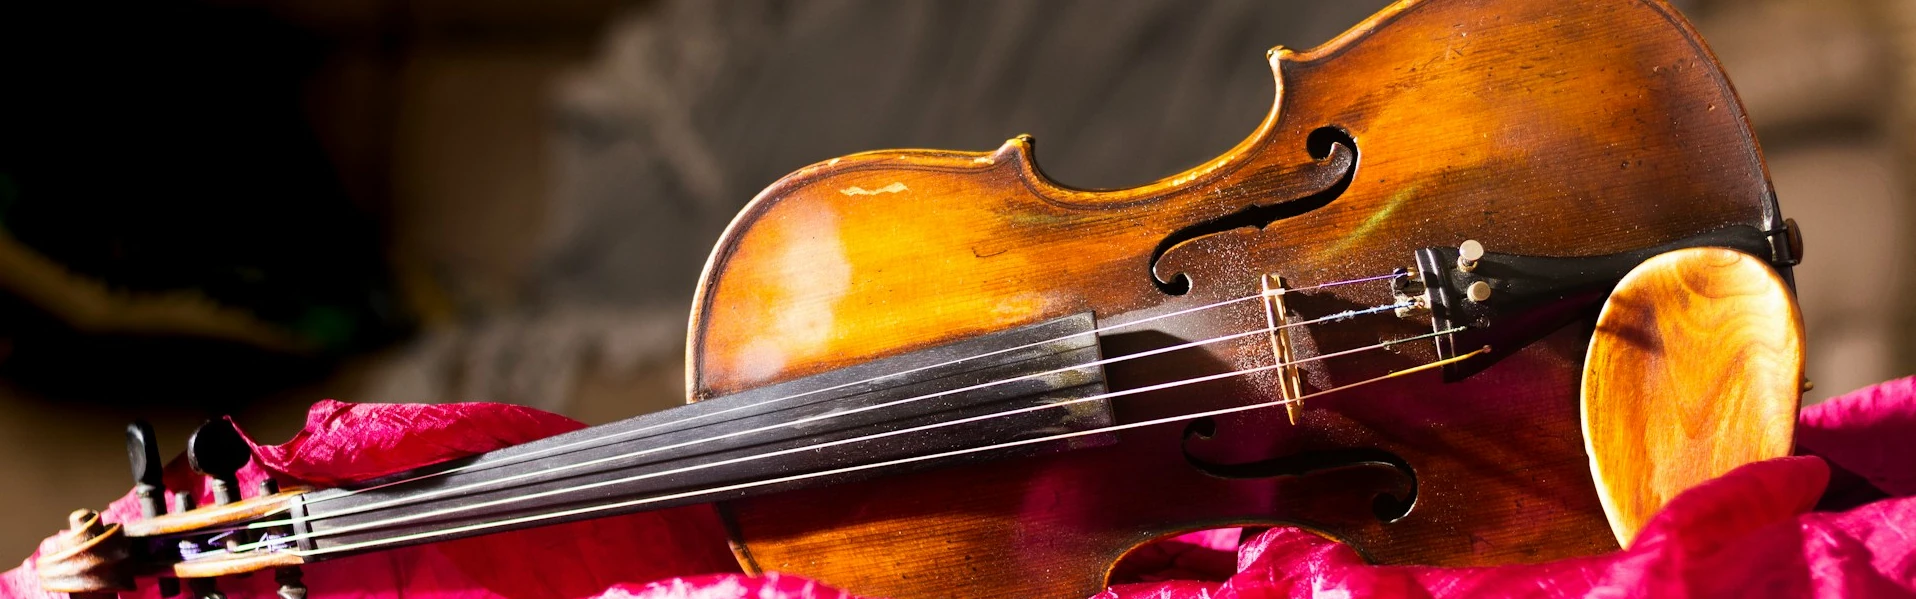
x=237, y=564
x=1696, y=368
x=238, y=512
x=89, y=558
x=1537, y=127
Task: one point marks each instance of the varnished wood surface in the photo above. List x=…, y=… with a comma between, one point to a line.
x=1696, y=368
x=238, y=512
x=240, y=564
x=90, y=556
x=1534, y=126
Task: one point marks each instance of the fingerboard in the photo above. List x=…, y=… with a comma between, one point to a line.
x=831, y=428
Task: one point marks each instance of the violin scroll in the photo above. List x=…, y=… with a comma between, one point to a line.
x=93, y=558
x=90, y=558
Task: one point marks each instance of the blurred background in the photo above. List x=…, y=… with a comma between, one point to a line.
x=239, y=206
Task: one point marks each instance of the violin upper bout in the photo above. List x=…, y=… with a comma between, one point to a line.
x=874, y=254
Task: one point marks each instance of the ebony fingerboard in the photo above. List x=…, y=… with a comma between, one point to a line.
x=699, y=445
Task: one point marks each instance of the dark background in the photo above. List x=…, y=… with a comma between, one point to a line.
x=242, y=207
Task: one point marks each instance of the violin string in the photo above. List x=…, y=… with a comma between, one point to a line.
x=496, y=484
x=507, y=500
x=525, y=457
x=428, y=535
x=602, y=440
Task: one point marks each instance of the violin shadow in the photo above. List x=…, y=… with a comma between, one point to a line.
x=1257, y=444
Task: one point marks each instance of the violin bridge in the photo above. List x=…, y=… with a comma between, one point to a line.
x=1290, y=385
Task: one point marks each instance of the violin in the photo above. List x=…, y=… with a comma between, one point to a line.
x=914, y=370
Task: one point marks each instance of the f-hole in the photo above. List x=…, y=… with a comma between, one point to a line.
x=1336, y=156
x=1384, y=505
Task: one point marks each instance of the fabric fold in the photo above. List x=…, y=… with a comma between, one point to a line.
x=1750, y=533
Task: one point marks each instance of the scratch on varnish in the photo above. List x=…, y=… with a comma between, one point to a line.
x=860, y=191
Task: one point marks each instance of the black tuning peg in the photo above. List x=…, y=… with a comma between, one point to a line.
x=149, y=483
x=143, y=451
x=217, y=451
x=291, y=585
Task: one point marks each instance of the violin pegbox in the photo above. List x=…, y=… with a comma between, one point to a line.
x=96, y=559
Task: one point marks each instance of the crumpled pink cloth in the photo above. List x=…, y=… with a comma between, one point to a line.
x=1755, y=532
x=349, y=442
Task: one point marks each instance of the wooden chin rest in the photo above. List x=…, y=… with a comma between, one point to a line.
x=1696, y=368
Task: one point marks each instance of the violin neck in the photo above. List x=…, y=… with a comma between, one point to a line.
x=830, y=428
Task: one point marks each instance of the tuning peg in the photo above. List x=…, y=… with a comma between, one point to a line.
x=217, y=451
x=149, y=483
x=143, y=451
x=291, y=585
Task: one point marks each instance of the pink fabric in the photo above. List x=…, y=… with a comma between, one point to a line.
x=346, y=442
x=1752, y=533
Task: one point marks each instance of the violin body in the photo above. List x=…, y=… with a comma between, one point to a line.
x=927, y=373
x=1535, y=127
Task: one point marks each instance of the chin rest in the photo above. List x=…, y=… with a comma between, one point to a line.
x=1696, y=368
